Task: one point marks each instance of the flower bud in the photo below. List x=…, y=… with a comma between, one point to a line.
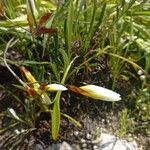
x=96, y=92
x=53, y=87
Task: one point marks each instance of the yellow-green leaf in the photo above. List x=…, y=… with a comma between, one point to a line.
x=56, y=117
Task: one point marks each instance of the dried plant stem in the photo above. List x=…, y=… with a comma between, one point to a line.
x=10, y=44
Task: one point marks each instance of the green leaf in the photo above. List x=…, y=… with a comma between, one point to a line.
x=101, y=17
x=56, y=117
x=69, y=26
x=65, y=57
x=56, y=108
x=139, y=13
x=19, y=87
x=67, y=71
x=55, y=70
x=93, y=15
x=31, y=10
x=72, y=119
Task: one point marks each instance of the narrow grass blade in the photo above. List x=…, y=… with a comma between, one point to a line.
x=72, y=120
x=56, y=108
x=124, y=122
x=55, y=71
x=13, y=114
x=101, y=17
x=136, y=66
x=65, y=57
x=69, y=26
x=93, y=16
x=2, y=130
x=31, y=9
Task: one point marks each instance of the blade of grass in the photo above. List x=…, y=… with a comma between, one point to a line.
x=93, y=15
x=55, y=71
x=2, y=130
x=31, y=14
x=72, y=120
x=69, y=26
x=85, y=15
x=66, y=59
x=124, y=122
x=101, y=17
x=10, y=44
x=136, y=66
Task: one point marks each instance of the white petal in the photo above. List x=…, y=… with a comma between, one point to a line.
x=56, y=87
x=13, y=113
x=17, y=131
x=98, y=92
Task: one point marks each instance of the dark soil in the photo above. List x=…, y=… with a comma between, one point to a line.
x=96, y=116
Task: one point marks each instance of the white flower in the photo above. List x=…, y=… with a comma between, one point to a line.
x=142, y=77
x=13, y=113
x=96, y=92
x=140, y=72
x=17, y=131
x=55, y=87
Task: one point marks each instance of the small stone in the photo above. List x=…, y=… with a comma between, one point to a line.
x=76, y=147
x=108, y=121
x=95, y=147
x=110, y=141
x=76, y=133
x=65, y=146
x=84, y=145
x=103, y=120
x=26, y=141
x=38, y=147
x=96, y=141
x=53, y=146
x=110, y=124
x=103, y=130
x=88, y=136
x=83, y=140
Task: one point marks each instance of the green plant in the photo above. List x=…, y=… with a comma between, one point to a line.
x=58, y=41
x=124, y=122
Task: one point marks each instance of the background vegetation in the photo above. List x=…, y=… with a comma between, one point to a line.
x=103, y=42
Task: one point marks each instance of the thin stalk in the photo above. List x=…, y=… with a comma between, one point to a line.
x=32, y=11
x=10, y=44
